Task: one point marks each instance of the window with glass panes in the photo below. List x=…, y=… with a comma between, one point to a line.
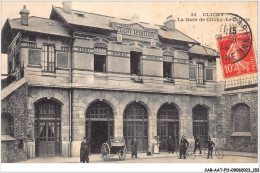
x=49, y=58
x=200, y=73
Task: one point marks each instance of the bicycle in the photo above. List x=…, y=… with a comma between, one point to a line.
x=189, y=153
x=218, y=153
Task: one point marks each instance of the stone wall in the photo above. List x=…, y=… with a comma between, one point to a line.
x=10, y=152
x=15, y=105
x=118, y=100
x=224, y=122
x=219, y=112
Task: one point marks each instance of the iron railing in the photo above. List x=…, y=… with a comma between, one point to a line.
x=241, y=83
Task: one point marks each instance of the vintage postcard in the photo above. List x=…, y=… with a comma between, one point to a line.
x=130, y=82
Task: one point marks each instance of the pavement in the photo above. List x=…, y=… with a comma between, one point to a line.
x=232, y=157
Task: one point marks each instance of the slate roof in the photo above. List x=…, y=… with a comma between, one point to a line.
x=87, y=19
x=40, y=25
x=176, y=35
x=202, y=50
x=95, y=20
x=102, y=21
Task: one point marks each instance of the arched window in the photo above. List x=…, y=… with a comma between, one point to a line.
x=100, y=110
x=241, y=118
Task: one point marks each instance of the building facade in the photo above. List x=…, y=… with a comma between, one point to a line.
x=80, y=74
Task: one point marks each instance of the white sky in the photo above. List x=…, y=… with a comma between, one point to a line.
x=150, y=12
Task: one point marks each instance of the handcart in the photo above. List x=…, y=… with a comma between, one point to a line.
x=112, y=147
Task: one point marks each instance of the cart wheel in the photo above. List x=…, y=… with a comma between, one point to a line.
x=105, y=152
x=122, y=153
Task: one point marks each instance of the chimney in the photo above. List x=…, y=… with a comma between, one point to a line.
x=170, y=23
x=66, y=6
x=24, y=16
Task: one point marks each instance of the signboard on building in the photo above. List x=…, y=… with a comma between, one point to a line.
x=134, y=29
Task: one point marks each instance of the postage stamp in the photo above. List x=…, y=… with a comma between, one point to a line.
x=235, y=56
x=236, y=50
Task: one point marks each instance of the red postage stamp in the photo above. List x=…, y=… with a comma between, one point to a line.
x=237, y=54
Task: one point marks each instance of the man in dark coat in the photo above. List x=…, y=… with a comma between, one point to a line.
x=134, y=145
x=183, y=147
x=84, y=151
x=211, y=144
x=170, y=144
x=197, y=144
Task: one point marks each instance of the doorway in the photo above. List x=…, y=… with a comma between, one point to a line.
x=136, y=126
x=99, y=125
x=168, y=125
x=48, y=128
x=200, y=124
x=99, y=135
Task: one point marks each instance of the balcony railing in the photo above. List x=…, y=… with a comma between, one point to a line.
x=241, y=83
x=28, y=44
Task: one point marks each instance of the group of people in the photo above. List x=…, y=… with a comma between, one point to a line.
x=184, y=145
x=84, y=148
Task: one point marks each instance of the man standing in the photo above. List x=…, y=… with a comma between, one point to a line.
x=170, y=144
x=183, y=147
x=197, y=144
x=134, y=145
x=84, y=151
x=211, y=144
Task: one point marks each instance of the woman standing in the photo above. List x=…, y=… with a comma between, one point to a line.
x=156, y=144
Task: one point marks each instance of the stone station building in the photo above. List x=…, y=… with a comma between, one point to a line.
x=80, y=74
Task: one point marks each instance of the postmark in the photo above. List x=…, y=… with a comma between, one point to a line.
x=235, y=46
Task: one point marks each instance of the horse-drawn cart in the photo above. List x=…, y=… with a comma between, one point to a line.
x=114, y=146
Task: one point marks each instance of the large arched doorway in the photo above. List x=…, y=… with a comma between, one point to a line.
x=136, y=125
x=48, y=129
x=168, y=125
x=200, y=123
x=99, y=124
